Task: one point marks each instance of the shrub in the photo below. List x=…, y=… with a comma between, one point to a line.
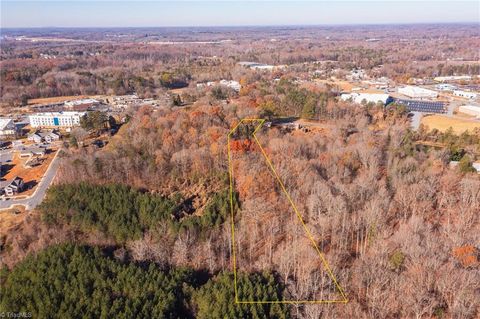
x=397, y=259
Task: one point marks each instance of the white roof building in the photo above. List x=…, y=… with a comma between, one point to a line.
x=452, y=78
x=470, y=110
x=234, y=85
x=465, y=94
x=359, y=97
x=81, y=102
x=417, y=92
x=7, y=127
x=231, y=84
x=445, y=87
x=6, y=124
x=261, y=66
x=356, y=74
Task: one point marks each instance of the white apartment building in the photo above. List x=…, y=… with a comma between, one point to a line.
x=56, y=119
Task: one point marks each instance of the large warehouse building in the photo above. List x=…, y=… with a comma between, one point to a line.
x=366, y=97
x=417, y=92
x=56, y=119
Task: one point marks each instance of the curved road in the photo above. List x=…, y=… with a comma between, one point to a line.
x=37, y=197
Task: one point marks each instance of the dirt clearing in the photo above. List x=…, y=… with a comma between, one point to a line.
x=443, y=123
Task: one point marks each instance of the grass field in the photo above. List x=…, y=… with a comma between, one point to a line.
x=443, y=123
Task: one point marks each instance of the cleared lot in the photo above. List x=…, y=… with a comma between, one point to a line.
x=443, y=123
x=30, y=175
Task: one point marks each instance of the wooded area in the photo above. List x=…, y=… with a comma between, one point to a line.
x=150, y=213
x=70, y=281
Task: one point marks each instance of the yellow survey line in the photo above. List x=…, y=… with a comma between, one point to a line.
x=310, y=236
x=230, y=171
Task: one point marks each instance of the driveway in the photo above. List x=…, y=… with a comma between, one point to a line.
x=36, y=198
x=416, y=119
x=6, y=156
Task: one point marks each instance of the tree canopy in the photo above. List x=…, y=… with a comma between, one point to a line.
x=72, y=281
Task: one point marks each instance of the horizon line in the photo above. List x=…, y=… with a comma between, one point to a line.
x=250, y=25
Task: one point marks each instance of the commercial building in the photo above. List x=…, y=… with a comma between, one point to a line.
x=417, y=92
x=81, y=104
x=56, y=119
x=356, y=75
x=422, y=106
x=8, y=129
x=234, y=85
x=260, y=66
x=465, y=94
x=452, y=78
x=365, y=97
x=445, y=87
x=470, y=110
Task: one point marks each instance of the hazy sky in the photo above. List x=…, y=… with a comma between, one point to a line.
x=131, y=13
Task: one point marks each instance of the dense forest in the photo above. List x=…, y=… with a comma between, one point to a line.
x=71, y=281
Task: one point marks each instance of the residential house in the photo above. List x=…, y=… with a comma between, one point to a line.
x=48, y=137
x=11, y=186
x=8, y=129
x=33, y=151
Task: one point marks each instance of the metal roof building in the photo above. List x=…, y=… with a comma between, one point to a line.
x=422, y=106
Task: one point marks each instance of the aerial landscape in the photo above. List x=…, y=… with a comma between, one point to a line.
x=240, y=159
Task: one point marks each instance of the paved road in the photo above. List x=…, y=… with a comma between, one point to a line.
x=37, y=197
x=416, y=119
x=6, y=156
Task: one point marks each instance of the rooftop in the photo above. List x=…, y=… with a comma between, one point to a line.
x=71, y=113
x=4, y=122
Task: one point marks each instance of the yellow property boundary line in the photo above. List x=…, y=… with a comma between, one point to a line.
x=324, y=261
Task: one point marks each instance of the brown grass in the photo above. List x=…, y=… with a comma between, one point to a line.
x=9, y=219
x=343, y=85
x=56, y=99
x=443, y=123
